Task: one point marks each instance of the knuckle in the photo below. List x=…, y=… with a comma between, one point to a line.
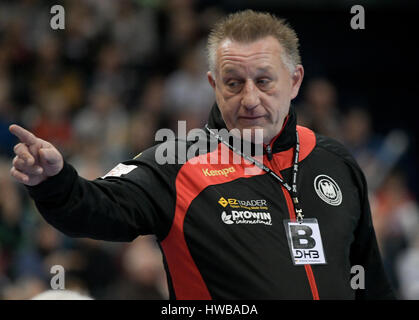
x=16, y=164
x=16, y=148
x=13, y=172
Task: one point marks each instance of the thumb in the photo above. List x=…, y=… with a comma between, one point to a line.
x=51, y=160
x=49, y=156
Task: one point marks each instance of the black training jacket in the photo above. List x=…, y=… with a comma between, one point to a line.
x=221, y=230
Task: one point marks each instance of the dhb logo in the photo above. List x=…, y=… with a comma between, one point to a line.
x=305, y=242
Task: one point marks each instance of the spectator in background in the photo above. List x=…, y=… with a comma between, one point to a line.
x=24, y=288
x=396, y=220
x=51, y=74
x=357, y=131
x=93, y=265
x=375, y=154
x=49, y=248
x=104, y=120
x=408, y=272
x=319, y=110
x=142, y=128
x=29, y=20
x=134, y=30
x=152, y=97
x=108, y=73
x=143, y=277
x=187, y=94
x=54, y=122
x=358, y=136
x=15, y=38
x=84, y=24
x=33, y=260
x=147, y=116
x=7, y=110
x=182, y=28
x=87, y=156
x=10, y=216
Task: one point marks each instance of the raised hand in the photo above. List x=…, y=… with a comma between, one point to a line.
x=35, y=159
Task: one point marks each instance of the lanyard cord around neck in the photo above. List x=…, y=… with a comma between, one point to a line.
x=291, y=189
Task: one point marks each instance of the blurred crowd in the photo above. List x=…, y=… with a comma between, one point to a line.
x=99, y=90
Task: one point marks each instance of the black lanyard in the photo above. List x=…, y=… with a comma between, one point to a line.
x=291, y=189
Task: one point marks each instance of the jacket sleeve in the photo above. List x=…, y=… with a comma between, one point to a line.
x=117, y=208
x=365, y=251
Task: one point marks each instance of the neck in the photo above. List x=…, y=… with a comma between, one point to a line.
x=272, y=140
x=284, y=140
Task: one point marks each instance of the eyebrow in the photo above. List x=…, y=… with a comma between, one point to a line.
x=234, y=71
x=264, y=69
x=230, y=71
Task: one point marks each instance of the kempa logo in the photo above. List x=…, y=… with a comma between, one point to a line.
x=223, y=172
x=328, y=190
x=197, y=145
x=246, y=217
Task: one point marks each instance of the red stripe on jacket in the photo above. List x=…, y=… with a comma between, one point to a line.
x=284, y=160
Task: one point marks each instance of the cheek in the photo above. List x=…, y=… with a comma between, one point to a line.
x=277, y=105
x=228, y=111
x=222, y=96
x=218, y=97
x=272, y=102
x=228, y=100
x=226, y=107
x=225, y=95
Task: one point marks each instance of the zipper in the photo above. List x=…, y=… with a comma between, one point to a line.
x=268, y=147
x=269, y=152
x=309, y=271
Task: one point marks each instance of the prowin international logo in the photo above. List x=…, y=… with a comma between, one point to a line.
x=246, y=217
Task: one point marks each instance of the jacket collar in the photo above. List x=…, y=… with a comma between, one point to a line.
x=284, y=140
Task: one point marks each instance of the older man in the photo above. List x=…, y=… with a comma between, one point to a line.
x=294, y=230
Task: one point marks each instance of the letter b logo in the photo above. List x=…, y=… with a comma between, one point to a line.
x=301, y=237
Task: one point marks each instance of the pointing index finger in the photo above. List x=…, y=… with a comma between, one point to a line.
x=24, y=135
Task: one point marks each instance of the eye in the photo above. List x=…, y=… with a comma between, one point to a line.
x=234, y=85
x=263, y=81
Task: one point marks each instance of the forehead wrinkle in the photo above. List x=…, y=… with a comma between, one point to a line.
x=243, y=57
x=233, y=48
x=230, y=67
x=240, y=57
x=246, y=60
x=236, y=59
x=235, y=71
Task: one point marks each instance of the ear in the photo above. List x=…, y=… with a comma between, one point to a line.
x=211, y=79
x=297, y=79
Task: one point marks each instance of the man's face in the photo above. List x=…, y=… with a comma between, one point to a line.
x=253, y=87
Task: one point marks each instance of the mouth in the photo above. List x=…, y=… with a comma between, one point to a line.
x=251, y=120
x=251, y=117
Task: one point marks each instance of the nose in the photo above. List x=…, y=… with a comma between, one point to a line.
x=250, y=98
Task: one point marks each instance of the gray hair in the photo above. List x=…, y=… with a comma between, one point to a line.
x=248, y=26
